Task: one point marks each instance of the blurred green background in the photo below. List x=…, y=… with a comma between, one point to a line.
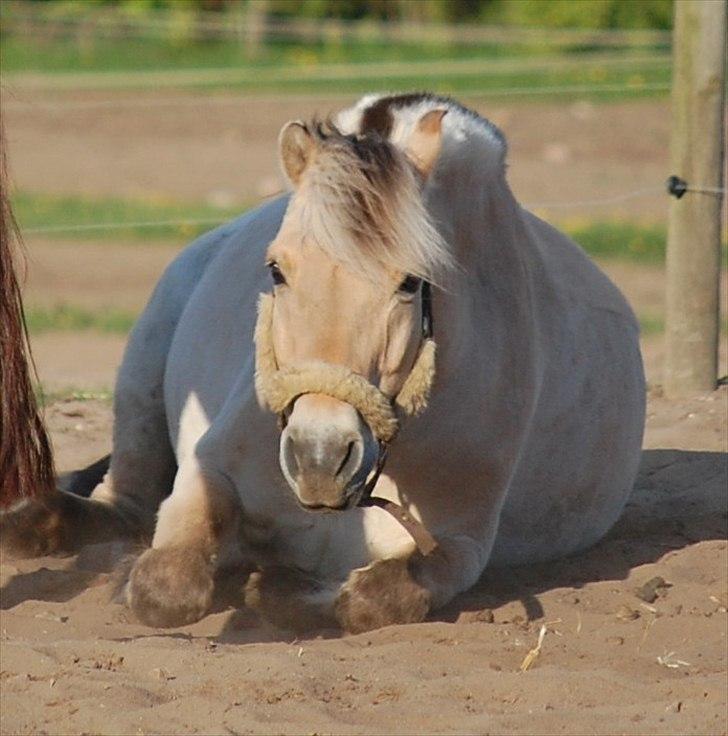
x=598, y=51
x=136, y=34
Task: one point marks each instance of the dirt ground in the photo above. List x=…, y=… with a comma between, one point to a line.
x=72, y=661
x=221, y=149
x=75, y=662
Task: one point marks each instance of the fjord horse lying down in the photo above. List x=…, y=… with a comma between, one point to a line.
x=398, y=305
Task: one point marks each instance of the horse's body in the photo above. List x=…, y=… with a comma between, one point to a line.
x=527, y=451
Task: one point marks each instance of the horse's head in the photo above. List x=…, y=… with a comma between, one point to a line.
x=343, y=331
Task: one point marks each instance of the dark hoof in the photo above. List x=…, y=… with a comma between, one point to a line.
x=60, y=523
x=289, y=600
x=37, y=528
x=381, y=594
x=170, y=587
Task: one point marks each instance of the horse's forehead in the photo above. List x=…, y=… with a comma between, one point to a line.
x=295, y=250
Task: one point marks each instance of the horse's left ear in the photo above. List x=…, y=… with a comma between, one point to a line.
x=423, y=146
x=296, y=146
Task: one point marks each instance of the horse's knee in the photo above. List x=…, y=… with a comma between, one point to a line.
x=171, y=586
x=381, y=594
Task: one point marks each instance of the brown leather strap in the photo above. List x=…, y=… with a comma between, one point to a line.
x=425, y=542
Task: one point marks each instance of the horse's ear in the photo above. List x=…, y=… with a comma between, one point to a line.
x=296, y=146
x=423, y=146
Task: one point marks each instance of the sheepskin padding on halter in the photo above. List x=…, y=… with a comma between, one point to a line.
x=278, y=387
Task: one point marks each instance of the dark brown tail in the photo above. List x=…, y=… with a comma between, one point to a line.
x=26, y=460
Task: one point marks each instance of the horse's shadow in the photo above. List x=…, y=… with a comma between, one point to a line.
x=680, y=497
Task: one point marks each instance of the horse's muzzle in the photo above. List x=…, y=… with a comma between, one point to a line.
x=326, y=453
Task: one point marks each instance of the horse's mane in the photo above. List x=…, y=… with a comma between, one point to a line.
x=26, y=462
x=360, y=202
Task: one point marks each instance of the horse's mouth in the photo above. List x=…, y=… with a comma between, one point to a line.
x=349, y=501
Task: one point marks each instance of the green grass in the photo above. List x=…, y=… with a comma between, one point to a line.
x=522, y=85
x=57, y=213
x=654, y=324
x=46, y=398
x=602, y=239
x=71, y=318
x=651, y=324
x=139, y=54
x=135, y=54
x=312, y=62
x=622, y=240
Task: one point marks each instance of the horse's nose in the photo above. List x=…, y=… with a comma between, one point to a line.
x=321, y=467
x=323, y=453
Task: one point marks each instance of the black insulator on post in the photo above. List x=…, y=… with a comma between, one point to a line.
x=676, y=186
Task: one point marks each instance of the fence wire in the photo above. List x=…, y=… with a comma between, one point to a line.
x=243, y=99
x=183, y=222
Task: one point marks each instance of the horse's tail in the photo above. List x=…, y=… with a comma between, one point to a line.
x=26, y=460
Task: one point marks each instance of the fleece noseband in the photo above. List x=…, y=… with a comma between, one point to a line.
x=278, y=388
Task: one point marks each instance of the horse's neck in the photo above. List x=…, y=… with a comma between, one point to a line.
x=484, y=226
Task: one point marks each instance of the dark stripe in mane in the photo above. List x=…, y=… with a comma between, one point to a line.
x=379, y=117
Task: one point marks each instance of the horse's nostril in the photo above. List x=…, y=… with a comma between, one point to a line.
x=289, y=450
x=349, y=450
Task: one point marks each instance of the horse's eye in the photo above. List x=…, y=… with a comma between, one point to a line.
x=276, y=273
x=410, y=285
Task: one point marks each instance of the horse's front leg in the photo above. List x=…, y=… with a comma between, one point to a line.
x=382, y=593
x=171, y=584
x=395, y=590
x=405, y=590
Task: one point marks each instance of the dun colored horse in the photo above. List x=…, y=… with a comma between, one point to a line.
x=432, y=381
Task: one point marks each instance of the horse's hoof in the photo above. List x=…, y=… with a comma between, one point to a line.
x=381, y=594
x=289, y=600
x=63, y=523
x=170, y=587
x=35, y=528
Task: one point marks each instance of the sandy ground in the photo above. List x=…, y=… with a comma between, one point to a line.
x=74, y=662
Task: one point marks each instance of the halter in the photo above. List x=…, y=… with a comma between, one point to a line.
x=278, y=388
x=427, y=327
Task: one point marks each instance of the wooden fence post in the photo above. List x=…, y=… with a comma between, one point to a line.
x=694, y=227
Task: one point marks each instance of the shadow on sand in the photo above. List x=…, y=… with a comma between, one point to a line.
x=680, y=498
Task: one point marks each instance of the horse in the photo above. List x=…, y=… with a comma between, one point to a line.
x=397, y=332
